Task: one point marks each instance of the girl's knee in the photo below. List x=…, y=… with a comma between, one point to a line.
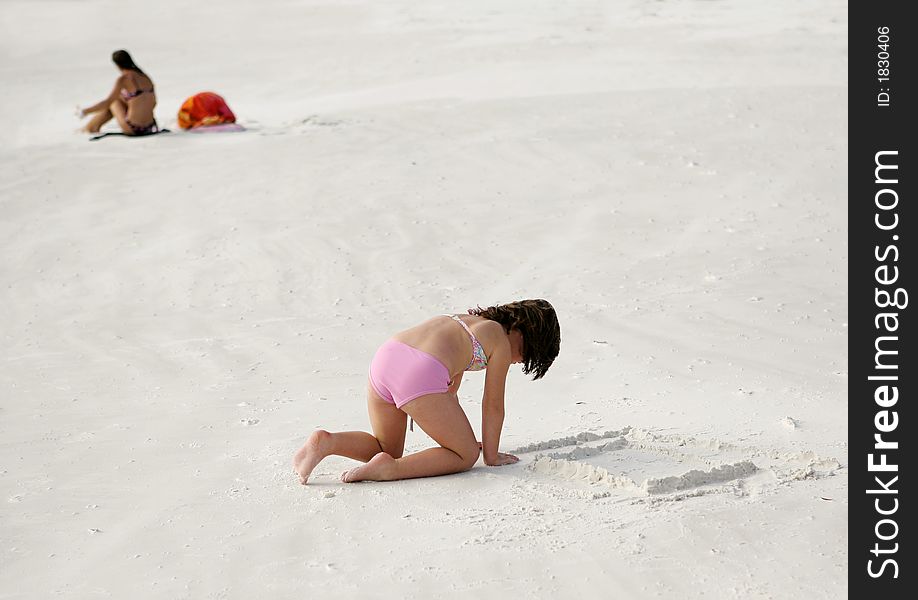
x=393, y=452
x=469, y=457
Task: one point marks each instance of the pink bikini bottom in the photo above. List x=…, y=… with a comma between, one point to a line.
x=400, y=373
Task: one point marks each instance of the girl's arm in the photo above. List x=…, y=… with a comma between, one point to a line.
x=108, y=100
x=492, y=406
x=454, y=386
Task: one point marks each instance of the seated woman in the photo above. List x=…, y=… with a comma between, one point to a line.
x=131, y=101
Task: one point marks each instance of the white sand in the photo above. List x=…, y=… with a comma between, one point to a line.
x=181, y=311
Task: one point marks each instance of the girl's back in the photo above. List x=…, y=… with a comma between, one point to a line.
x=445, y=339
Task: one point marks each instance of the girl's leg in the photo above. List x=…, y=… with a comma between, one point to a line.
x=441, y=417
x=388, y=422
x=101, y=118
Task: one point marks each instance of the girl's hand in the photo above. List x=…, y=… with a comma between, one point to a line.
x=503, y=459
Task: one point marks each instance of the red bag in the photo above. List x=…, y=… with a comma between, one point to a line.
x=201, y=110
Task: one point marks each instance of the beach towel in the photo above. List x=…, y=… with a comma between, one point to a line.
x=112, y=133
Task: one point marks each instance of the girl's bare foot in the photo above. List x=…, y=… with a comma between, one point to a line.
x=381, y=467
x=311, y=454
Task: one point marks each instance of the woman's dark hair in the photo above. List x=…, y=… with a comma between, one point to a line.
x=537, y=321
x=124, y=61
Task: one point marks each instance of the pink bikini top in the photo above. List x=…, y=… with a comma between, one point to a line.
x=479, y=358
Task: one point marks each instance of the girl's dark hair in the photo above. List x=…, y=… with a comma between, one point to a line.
x=537, y=321
x=124, y=61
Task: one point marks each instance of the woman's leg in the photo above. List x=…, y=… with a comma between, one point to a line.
x=388, y=422
x=101, y=118
x=119, y=109
x=441, y=417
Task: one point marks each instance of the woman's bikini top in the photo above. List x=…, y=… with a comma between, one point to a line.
x=128, y=95
x=479, y=358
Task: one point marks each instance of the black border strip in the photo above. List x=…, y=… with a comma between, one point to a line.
x=883, y=371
